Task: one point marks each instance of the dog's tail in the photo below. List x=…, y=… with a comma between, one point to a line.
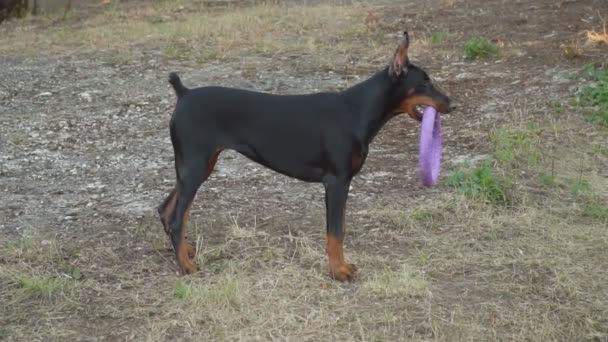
x=177, y=85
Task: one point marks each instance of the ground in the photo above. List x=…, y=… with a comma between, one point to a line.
x=85, y=158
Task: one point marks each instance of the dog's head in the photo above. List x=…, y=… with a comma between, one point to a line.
x=414, y=89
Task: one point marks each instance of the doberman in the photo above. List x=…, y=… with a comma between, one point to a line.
x=322, y=138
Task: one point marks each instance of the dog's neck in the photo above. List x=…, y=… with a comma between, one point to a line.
x=373, y=102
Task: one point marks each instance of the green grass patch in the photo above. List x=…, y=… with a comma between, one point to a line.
x=517, y=145
x=600, y=151
x=224, y=291
x=20, y=246
x=28, y=249
x=171, y=52
x=424, y=217
x=396, y=284
x=212, y=255
x=481, y=182
x=5, y=333
x=580, y=188
x=182, y=290
x=212, y=258
x=548, y=181
x=478, y=47
x=595, y=95
x=422, y=258
x=596, y=211
x=41, y=287
x=421, y=215
x=438, y=37
x=557, y=106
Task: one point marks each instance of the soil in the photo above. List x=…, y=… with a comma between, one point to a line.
x=86, y=143
x=85, y=149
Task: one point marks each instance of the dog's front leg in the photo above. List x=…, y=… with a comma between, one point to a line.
x=336, y=194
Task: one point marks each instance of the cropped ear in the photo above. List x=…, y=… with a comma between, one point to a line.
x=398, y=63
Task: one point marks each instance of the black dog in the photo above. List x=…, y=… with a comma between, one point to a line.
x=321, y=138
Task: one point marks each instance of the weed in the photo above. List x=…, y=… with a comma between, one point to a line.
x=481, y=183
x=120, y=57
x=573, y=50
x=579, y=188
x=216, y=268
x=421, y=215
x=595, y=95
x=19, y=247
x=510, y=145
x=206, y=55
x=42, y=287
x=422, y=258
x=597, y=211
x=424, y=217
x=478, y=47
x=549, y=181
x=182, y=290
x=600, y=151
x=213, y=255
x=4, y=333
x=171, y=52
x=557, y=106
x=29, y=249
x=76, y=274
x=438, y=37
x=389, y=317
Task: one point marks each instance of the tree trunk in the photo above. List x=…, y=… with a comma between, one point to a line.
x=13, y=8
x=20, y=8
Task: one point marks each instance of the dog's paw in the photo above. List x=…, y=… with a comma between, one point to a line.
x=190, y=251
x=184, y=259
x=342, y=271
x=187, y=267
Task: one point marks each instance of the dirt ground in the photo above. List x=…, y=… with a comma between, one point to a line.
x=85, y=158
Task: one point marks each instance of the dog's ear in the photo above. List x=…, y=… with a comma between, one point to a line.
x=398, y=63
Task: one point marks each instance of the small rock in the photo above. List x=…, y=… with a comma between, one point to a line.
x=471, y=160
x=465, y=76
x=71, y=212
x=86, y=96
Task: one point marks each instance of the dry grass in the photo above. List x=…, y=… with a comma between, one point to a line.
x=598, y=37
x=395, y=284
x=202, y=35
x=452, y=269
x=525, y=273
x=456, y=270
x=449, y=268
x=573, y=50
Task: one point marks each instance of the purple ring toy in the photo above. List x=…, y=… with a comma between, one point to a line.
x=430, y=147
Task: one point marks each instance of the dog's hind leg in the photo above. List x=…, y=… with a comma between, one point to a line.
x=166, y=209
x=192, y=170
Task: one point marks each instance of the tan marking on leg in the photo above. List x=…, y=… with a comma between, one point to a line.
x=338, y=269
x=185, y=251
